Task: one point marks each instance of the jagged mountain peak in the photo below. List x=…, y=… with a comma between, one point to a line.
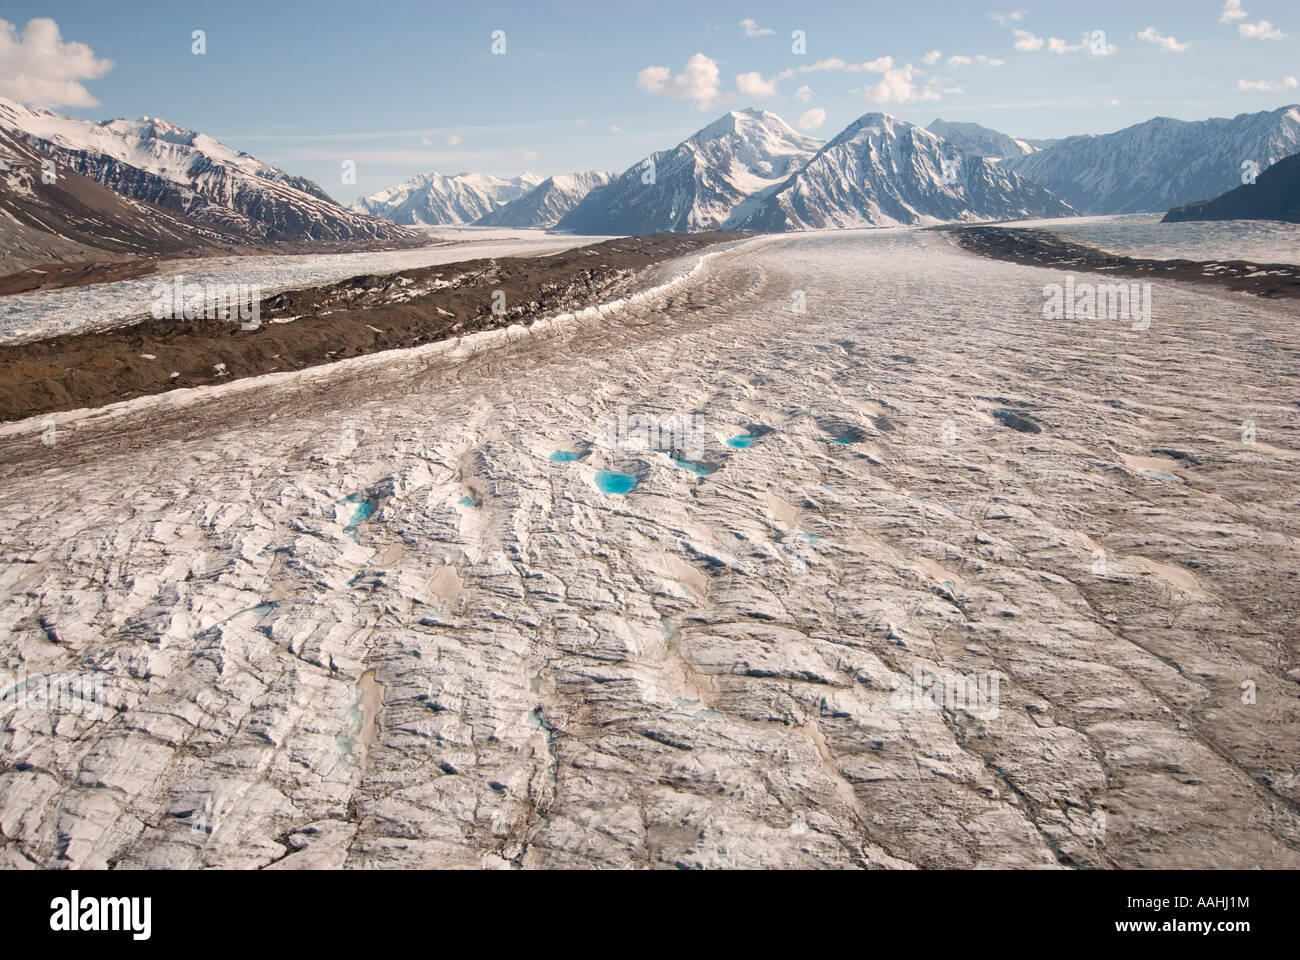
x=698, y=184
x=882, y=170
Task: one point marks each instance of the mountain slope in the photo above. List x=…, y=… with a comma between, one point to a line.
x=1275, y=195
x=433, y=198
x=548, y=202
x=192, y=174
x=884, y=171
x=1161, y=163
x=699, y=183
x=980, y=141
x=76, y=219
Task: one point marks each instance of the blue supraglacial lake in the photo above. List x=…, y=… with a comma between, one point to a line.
x=611, y=481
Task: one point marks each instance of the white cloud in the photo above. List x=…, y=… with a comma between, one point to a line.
x=803, y=94
x=897, y=86
x=1232, y=11
x=812, y=119
x=1015, y=16
x=615, y=128
x=453, y=140
x=529, y=154
x=953, y=90
x=753, y=85
x=832, y=63
x=1086, y=45
x=1285, y=83
x=1261, y=31
x=652, y=79
x=1027, y=41
x=427, y=142
x=752, y=29
x=39, y=68
x=931, y=58
x=698, y=81
x=1151, y=35
x=960, y=61
x=879, y=65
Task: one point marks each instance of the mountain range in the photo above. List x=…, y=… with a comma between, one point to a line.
x=548, y=202
x=433, y=198
x=196, y=176
x=751, y=170
x=128, y=188
x=884, y=171
x=704, y=183
x=1162, y=163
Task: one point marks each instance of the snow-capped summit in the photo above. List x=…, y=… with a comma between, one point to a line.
x=547, y=203
x=881, y=170
x=1162, y=163
x=434, y=198
x=698, y=184
x=159, y=162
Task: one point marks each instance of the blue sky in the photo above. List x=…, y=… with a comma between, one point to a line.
x=409, y=87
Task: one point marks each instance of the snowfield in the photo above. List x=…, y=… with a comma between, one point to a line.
x=946, y=585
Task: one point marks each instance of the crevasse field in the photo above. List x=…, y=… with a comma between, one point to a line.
x=364, y=615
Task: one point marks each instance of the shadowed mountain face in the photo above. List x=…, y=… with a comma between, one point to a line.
x=700, y=183
x=885, y=171
x=196, y=176
x=1162, y=163
x=1275, y=195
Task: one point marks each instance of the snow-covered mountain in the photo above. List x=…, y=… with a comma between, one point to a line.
x=158, y=162
x=548, y=202
x=1161, y=163
x=980, y=141
x=433, y=198
x=700, y=183
x=74, y=218
x=881, y=170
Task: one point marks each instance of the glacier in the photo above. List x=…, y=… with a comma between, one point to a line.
x=358, y=616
